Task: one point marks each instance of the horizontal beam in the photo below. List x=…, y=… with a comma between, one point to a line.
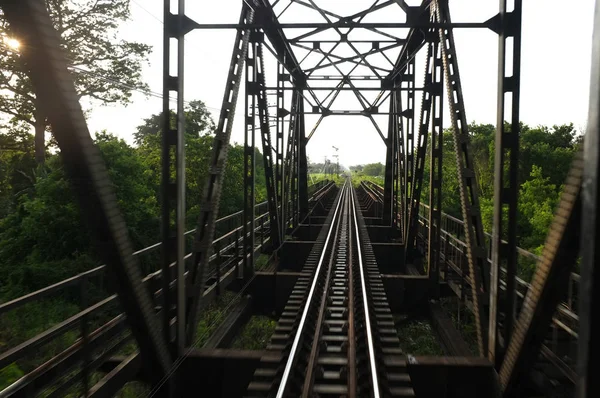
x=390, y=41
x=342, y=88
x=353, y=25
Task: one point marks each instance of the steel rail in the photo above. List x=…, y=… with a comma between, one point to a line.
x=295, y=344
x=370, y=345
x=314, y=352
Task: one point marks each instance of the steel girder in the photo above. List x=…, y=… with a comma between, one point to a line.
x=302, y=162
x=504, y=237
x=47, y=68
x=283, y=51
x=290, y=163
x=258, y=90
x=390, y=164
x=249, y=158
x=421, y=151
x=435, y=170
x=397, y=150
x=173, y=189
x=401, y=195
x=209, y=208
x=469, y=192
x=279, y=148
x=409, y=115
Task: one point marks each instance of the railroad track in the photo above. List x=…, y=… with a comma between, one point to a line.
x=336, y=336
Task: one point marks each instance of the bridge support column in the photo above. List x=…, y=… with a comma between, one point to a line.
x=435, y=170
x=282, y=77
x=506, y=190
x=391, y=165
x=479, y=269
x=421, y=146
x=409, y=115
x=302, y=161
x=173, y=190
x=250, y=156
x=263, y=112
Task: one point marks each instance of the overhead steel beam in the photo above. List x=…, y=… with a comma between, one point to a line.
x=415, y=40
x=321, y=26
x=267, y=20
x=47, y=68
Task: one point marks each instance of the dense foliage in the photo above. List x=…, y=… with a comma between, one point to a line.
x=42, y=239
x=545, y=157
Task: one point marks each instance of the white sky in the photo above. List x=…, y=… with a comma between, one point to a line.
x=555, y=70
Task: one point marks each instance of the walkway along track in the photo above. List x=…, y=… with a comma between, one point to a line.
x=336, y=336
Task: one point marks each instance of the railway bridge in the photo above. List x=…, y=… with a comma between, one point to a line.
x=348, y=263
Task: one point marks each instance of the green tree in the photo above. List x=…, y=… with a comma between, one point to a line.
x=17, y=167
x=537, y=201
x=44, y=241
x=373, y=169
x=104, y=68
x=198, y=121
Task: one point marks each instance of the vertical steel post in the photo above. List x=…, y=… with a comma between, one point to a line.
x=294, y=162
x=279, y=147
x=173, y=191
x=302, y=161
x=506, y=186
x=469, y=195
x=396, y=157
x=288, y=179
x=419, y=159
x=409, y=115
x=249, y=157
x=588, y=385
x=435, y=166
x=388, y=186
x=265, y=133
x=401, y=197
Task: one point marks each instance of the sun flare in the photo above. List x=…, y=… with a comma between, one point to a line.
x=12, y=43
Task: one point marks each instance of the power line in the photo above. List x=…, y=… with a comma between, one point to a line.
x=148, y=12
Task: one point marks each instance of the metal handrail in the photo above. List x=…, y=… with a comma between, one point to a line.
x=74, y=280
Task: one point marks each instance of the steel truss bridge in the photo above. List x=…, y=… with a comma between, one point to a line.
x=345, y=259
